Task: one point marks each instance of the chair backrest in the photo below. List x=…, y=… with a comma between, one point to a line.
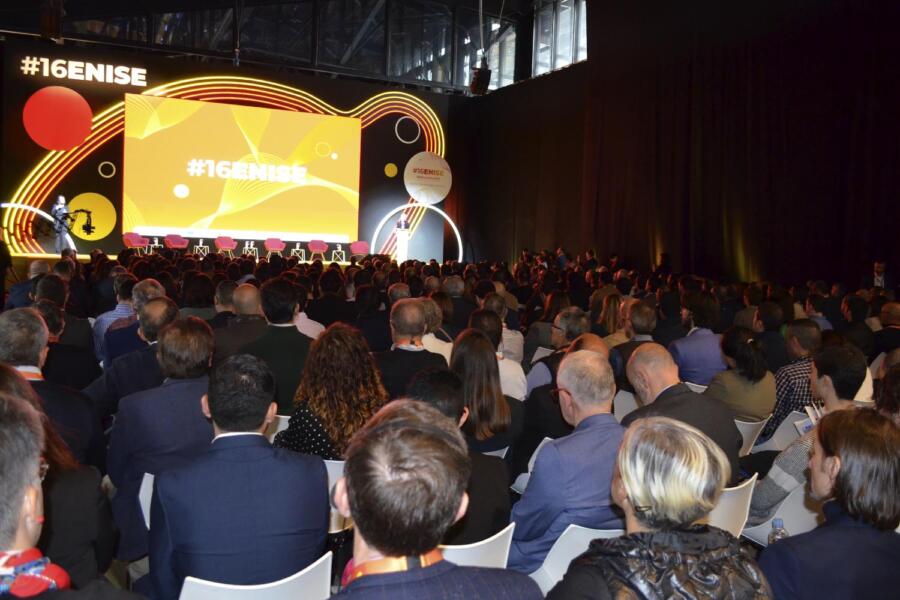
x=359, y=247
x=733, y=507
x=750, y=430
x=521, y=481
x=312, y=583
x=501, y=453
x=337, y=522
x=623, y=403
x=223, y=242
x=784, y=434
x=273, y=245
x=317, y=246
x=279, y=424
x=492, y=552
x=696, y=387
x=876, y=364
x=131, y=239
x=145, y=495
x=335, y=470
x=799, y=511
x=573, y=542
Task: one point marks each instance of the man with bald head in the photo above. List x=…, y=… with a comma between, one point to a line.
x=407, y=355
x=247, y=326
x=572, y=476
x=654, y=376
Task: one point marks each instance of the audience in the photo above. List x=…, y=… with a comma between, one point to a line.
x=767, y=324
x=433, y=318
x=247, y=325
x=854, y=467
x=77, y=331
x=568, y=324
x=747, y=387
x=815, y=304
x=404, y=485
x=122, y=336
x=855, y=310
x=210, y=519
x=698, y=354
x=579, y=465
x=668, y=476
x=888, y=338
x=123, y=287
x=540, y=332
x=640, y=321
x=20, y=294
x=512, y=377
x=407, y=355
x=223, y=302
x=330, y=409
x=66, y=365
x=619, y=334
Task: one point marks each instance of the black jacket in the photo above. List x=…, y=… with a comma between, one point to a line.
x=285, y=350
x=398, y=367
x=489, y=502
x=695, y=562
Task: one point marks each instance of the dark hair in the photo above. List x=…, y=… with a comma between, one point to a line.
x=845, y=365
x=225, y=292
x=442, y=299
x=555, y=302
x=483, y=288
x=367, y=299
x=156, y=314
x=278, y=300
x=406, y=472
x=643, y=318
x=739, y=345
x=198, y=291
x=858, y=307
x=439, y=387
x=817, y=302
x=888, y=399
x=52, y=287
x=770, y=315
x=474, y=360
x=623, y=284
x=185, y=348
x=241, y=389
x=807, y=333
x=21, y=439
x=123, y=284
x=669, y=304
x=331, y=281
x=868, y=445
x=496, y=303
x=704, y=308
x=489, y=323
x=52, y=314
x=753, y=295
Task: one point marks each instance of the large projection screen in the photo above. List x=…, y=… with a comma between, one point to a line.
x=204, y=169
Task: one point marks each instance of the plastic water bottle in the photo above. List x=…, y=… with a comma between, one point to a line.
x=778, y=531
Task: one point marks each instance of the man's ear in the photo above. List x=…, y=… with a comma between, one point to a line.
x=340, y=498
x=204, y=406
x=463, y=507
x=270, y=414
x=832, y=468
x=464, y=417
x=142, y=336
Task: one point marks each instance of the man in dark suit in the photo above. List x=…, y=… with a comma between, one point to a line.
x=879, y=277
x=160, y=428
x=331, y=305
x=122, y=336
x=66, y=365
x=654, y=376
x=668, y=324
x=395, y=546
x=488, y=490
x=462, y=306
x=855, y=310
x=282, y=347
x=245, y=327
x=209, y=519
x=79, y=301
x=23, y=345
x=639, y=324
x=888, y=338
x=224, y=304
x=407, y=356
x=767, y=331
x=77, y=331
x=138, y=370
x=20, y=293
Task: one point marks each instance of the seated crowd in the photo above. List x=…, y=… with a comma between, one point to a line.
x=425, y=405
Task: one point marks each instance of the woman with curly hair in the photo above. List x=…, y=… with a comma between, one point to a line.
x=340, y=389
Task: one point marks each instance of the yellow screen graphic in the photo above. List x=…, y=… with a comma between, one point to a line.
x=202, y=169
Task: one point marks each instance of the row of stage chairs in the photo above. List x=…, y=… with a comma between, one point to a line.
x=227, y=246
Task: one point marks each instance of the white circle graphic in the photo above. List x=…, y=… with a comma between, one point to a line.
x=429, y=207
x=181, y=191
x=106, y=169
x=427, y=178
x=418, y=130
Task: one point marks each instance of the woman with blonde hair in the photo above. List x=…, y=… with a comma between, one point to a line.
x=339, y=390
x=668, y=476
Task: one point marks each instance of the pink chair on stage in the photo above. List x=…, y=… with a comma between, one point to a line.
x=359, y=248
x=135, y=241
x=173, y=241
x=274, y=246
x=225, y=245
x=317, y=247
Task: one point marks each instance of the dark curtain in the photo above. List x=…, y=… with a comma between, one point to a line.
x=750, y=138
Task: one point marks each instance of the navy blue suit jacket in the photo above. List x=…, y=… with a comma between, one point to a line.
x=134, y=372
x=121, y=341
x=156, y=430
x=242, y=513
x=842, y=558
x=18, y=295
x=70, y=412
x=444, y=581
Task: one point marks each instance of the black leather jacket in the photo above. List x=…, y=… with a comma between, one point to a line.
x=695, y=562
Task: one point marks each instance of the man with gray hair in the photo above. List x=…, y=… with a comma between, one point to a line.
x=23, y=345
x=568, y=325
x=462, y=306
x=572, y=476
x=122, y=336
x=407, y=355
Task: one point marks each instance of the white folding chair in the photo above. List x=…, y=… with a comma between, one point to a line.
x=492, y=552
x=696, y=387
x=521, y=481
x=623, y=403
x=876, y=365
x=733, y=507
x=145, y=495
x=750, y=431
x=784, y=434
x=312, y=583
x=276, y=426
x=573, y=542
x=337, y=521
x=799, y=512
x=501, y=453
x=540, y=353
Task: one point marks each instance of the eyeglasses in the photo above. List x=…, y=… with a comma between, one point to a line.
x=556, y=327
x=556, y=391
x=43, y=467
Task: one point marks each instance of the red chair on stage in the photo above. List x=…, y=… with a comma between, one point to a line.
x=135, y=241
x=274, y=246
x=225, y=245
x=173, y=241
x=359, y=248
x=317, y=247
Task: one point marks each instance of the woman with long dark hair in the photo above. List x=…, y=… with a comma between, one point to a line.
x=747, y=387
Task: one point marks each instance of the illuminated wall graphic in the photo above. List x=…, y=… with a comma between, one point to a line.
x=55, y=165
